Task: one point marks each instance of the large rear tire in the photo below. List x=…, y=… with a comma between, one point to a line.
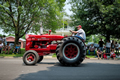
x=71, y=51
x=30, y=57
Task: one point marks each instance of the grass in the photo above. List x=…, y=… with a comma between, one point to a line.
x=89, y=56
x=11, y=55
x=23, y=51
x=54, y=55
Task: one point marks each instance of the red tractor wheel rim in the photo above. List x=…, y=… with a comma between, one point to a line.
x=30, y=57
x=71, y=51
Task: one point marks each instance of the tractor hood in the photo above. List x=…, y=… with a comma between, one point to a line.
x=45, y=37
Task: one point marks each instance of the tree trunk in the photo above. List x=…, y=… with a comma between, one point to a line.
x=108, y=37
x=16, y=37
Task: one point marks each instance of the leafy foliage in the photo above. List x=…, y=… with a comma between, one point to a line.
x=21, y=16
x=97, y=16
x=94, y=38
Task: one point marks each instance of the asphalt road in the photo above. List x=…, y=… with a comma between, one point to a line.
x=51, y=69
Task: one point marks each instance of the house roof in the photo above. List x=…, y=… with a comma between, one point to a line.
x=14, y=37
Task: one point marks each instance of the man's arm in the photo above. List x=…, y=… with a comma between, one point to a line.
x=73, y=31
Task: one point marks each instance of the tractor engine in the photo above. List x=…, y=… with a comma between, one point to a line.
x=42, y=44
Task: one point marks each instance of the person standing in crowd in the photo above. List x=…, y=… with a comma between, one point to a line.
x=108, y=46
x=117, y=47
x=1, y=45
x=101, y=45
x=112, y=45
x=1, y=39
x=4, y=41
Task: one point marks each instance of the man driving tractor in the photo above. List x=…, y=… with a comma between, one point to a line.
x=80, y=33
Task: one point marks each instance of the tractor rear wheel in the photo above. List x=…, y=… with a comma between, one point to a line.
x=30, y=57
x=40, y=59
x=71, y=51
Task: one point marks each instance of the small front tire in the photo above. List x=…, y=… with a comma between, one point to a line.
x=30, y=57
x=40, y=59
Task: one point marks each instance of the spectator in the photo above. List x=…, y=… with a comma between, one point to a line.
x=99, y=53
x=112, y=45
x=16, y=48
x=1, y=45
x=112, y=54
x=91, y=49
x=1, y=39
x=104, y=56
x=117, y=47
x=7, y=48
x=118, y=55
x=101, y=45
x=4, y=40
x=108, y=46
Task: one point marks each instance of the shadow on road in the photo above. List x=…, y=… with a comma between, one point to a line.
x=86, y=71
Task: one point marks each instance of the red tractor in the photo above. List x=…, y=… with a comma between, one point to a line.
x=70, y=51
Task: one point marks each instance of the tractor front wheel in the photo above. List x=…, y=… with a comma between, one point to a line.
x=30, y=57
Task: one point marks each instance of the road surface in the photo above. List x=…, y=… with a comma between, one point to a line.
x=51, y=69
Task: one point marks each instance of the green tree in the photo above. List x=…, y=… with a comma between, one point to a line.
x=11, y=35
x=1, y=35
x=20, y=16
x=97, y=16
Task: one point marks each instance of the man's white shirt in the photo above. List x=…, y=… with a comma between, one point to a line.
x=81, y=33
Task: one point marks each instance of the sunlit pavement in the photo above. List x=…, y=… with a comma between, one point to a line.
x=51, y=69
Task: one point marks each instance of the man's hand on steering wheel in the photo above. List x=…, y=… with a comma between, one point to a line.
x=70, y=30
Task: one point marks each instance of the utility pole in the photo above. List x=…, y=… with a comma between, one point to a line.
x=63, y=28
x=41, y=29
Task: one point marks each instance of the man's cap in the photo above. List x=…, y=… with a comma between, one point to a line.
x=79, y=26
x=49, y=30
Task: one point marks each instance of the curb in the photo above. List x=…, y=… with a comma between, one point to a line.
x=22, y=57
x=93, y=58
x=44, y=57
x=50, y=57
